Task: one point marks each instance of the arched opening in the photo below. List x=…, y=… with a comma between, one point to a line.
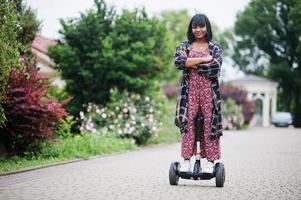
x=259, y=112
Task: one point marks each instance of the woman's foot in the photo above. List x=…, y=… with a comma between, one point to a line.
x=208, y=168
x=185, y=166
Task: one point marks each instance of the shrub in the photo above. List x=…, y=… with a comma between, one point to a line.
x=128, y=115
x=249, y=109
x=232, y=114
x=59, y=93
x=243, y=106
x=30, y=115
x=64, y=127
x=171, y=90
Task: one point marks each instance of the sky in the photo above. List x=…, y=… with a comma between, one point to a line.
x=221, y=12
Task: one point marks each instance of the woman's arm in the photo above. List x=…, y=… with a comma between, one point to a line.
x=181, y=60
x=180, y=56
x=212, y=69
x=193, y=62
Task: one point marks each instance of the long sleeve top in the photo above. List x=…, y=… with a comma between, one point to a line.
x=211, y=69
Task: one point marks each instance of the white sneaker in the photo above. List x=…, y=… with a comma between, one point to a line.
x=208, y=168
x=185, y=166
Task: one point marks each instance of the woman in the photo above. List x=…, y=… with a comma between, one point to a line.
x=200, y=59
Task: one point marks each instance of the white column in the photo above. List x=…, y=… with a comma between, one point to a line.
x=266, y=110
x=250, y=96
x=274, y=104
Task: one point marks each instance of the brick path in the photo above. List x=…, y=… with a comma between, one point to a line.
x=261, y=163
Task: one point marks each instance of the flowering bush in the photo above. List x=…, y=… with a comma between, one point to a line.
x=31, y=116
x=128, y=115
x=237, y=109
x=232, y=114
x=170, y=90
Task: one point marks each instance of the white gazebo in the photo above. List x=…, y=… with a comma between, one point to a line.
x=262, y=89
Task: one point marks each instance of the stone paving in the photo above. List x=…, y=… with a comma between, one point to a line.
x=261, y=163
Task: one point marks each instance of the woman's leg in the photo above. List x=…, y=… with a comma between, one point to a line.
x=188, y=139
x=210, y=148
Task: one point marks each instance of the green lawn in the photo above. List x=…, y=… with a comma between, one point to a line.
x=69, y=149
x=89, y=145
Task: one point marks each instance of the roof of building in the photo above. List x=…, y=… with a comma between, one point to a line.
x=253, y=78
x=41, y=43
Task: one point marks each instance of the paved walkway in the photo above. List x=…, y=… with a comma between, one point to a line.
x=261, y=163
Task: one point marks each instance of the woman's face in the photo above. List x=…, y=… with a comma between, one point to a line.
x=199, y=32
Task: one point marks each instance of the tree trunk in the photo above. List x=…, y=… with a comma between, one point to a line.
x=287, y=100
x=297, y=110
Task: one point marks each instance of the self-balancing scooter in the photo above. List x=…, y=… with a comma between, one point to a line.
x=218, y=171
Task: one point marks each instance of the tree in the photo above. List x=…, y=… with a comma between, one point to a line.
x=176, y=23
x=18, y=27
x=9, y=46
x=269, y=45
x=101, y=50
x=29, y=25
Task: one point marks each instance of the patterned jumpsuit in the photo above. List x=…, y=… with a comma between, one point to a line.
x=199, y=99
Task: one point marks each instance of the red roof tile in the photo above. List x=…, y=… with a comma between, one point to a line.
x=41, y=43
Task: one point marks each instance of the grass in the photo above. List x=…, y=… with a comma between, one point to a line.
x=86, y=145
x=16, y=163
x=81, y=147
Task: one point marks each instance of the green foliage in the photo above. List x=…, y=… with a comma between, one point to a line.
x=102, y=50
x=226, y=39
x=64, y=127
x=176, y=23
x=269, y=45
x=18, y=27
x=29, y=25
x=58, y=93
x=9, y=46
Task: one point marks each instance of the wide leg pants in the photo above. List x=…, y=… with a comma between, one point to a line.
x=200, y=100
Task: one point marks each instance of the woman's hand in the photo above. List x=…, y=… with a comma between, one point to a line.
x=207, y=58
x=192, y=62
